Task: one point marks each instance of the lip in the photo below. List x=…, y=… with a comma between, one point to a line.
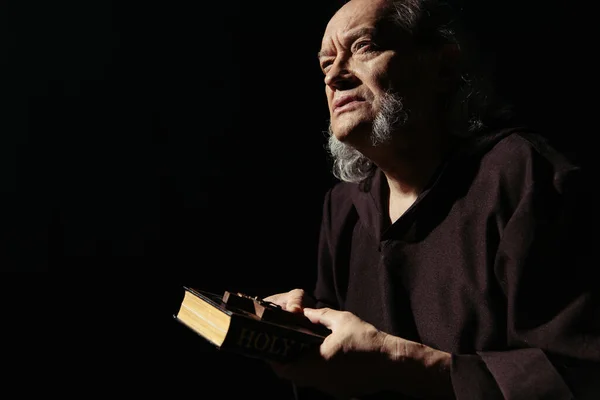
x=346, y=102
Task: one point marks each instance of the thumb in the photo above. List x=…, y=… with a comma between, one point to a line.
x=324, y=316
x=295, y=300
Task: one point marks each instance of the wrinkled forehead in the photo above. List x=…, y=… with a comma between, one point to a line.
x=357, y=13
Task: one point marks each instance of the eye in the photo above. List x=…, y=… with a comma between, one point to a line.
x=363, y=45
x=326, y=64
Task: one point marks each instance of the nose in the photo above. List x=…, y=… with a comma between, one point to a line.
x=339, y=76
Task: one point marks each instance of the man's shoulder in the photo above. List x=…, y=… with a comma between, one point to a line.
x=342, y=193
x=522, y=154
x=524, y=146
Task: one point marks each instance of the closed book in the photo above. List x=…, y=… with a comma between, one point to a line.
x=250, y=327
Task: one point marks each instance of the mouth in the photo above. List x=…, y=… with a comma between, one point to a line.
x=346, y=103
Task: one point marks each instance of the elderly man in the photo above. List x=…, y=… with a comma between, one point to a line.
x=449, y=261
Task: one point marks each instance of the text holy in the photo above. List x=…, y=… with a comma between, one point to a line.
x=269, y=343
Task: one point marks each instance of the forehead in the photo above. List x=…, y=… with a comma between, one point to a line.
x=356, y=14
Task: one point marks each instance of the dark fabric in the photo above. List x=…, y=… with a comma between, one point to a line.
x=492, y=263
x=472, y=379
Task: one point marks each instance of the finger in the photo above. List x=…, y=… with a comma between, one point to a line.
x=278, y=299
x=324, y=316
x=292, y=301
x=295, y=300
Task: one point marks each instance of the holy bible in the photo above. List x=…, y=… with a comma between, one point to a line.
x=248, y=326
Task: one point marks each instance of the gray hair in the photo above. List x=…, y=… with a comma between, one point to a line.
x=473, y=106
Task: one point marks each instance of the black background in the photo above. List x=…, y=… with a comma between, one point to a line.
x=154, y=144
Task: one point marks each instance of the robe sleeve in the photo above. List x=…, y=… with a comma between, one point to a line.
x=545, y=267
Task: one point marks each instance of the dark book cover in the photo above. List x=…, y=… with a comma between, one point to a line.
x=250, y=334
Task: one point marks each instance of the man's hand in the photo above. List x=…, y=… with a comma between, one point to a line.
x=358, y=359
x=293, y=301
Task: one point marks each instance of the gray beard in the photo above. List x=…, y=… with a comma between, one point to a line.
x=391, y=116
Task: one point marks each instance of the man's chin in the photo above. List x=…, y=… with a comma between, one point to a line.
x=352, y=133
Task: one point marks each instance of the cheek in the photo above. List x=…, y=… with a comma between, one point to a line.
x=402, y=75
x=379, y=80
x=328, y=96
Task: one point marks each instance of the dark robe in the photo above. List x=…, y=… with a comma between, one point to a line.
x=492, y=264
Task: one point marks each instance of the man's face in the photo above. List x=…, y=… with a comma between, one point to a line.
x=363, y=58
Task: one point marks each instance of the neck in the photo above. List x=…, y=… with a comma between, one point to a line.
x=409, y=167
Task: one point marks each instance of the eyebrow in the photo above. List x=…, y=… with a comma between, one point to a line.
x=350, y=36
